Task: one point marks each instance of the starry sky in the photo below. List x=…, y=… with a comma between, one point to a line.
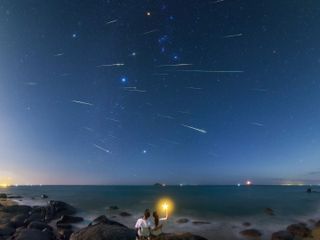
x=137, y=92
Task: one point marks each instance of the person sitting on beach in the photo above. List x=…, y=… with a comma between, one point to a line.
x=143, y=226
x=156, y=228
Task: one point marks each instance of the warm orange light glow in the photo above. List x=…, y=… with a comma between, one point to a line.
x=165, y=206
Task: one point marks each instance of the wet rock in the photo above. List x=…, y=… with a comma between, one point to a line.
x=34, y=217
x=57, y=209
x=269, y=211
x=182, y=220
x=251, y=233
x=6, y=230
x=40, y=226
x=179, y=236
x=32, y=234
x=14, y=197
x=200, y=222
x=282, y=235
x=104, y=220
x=113, y=208
x=103, y=232
x=64, y=226
x=17, y=209
x=3, y=196
x=317, y=224
x=18, y=220
x=65, y=234
x=125, y=214
x=299, y=230
x=246, y=224
x=69, y=219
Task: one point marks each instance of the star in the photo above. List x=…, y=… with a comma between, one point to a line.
x=144, y=151
x=74, y=35
x=148, y=13
x=133, y=54
x=124, y=79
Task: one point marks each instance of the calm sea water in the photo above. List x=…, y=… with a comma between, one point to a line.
x=197, y=201
x=225, y=207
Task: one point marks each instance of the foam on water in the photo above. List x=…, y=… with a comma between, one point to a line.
x=225, y=207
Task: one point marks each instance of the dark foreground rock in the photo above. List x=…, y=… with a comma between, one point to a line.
x=14, y=197
x=246, y=224
x=57, y=209
x=113, y=208
x=269, y=211
x=3, y=196
x=104, y=231
x=282, y=235
x=104, y=220
x=299, y=230
x=180, y=236
x=6, y=230
x=69, y=219
x=182, y=220
x=125, y=214
x=200, y=222
x=251, y=233
x=40, y=226
x=32, y=234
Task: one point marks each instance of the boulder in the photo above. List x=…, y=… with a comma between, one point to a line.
x=246, y=224
x=34, y=217
x=57, y=209
x=103, y=231
x=113, y=208
x=69, y=219
x=64, y=234
x=182, y=220
x=6, y=230
x=64, y=226
x=3, y=196
x=299, y=230
x=15, y=197
x=282, y=235
x=125, y=214
x=40, y=226
x=104, y=220
x=18, y=220
x=179, y=236
x=251, y=233
x=17, y=209
x=200, y=222
x=32, y=234
x=269, y=211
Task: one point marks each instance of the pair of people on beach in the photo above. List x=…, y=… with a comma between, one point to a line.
x=146, y=229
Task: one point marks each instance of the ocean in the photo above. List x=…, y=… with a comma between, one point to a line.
x=221, y=209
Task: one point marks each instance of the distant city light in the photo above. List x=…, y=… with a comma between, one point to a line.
x=248, y=182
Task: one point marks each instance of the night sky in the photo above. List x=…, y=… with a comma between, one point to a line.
x=179, y=91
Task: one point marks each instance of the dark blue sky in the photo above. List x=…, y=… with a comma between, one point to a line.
x=136, y=92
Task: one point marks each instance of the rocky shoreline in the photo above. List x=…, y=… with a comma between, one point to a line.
x=57, y=221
